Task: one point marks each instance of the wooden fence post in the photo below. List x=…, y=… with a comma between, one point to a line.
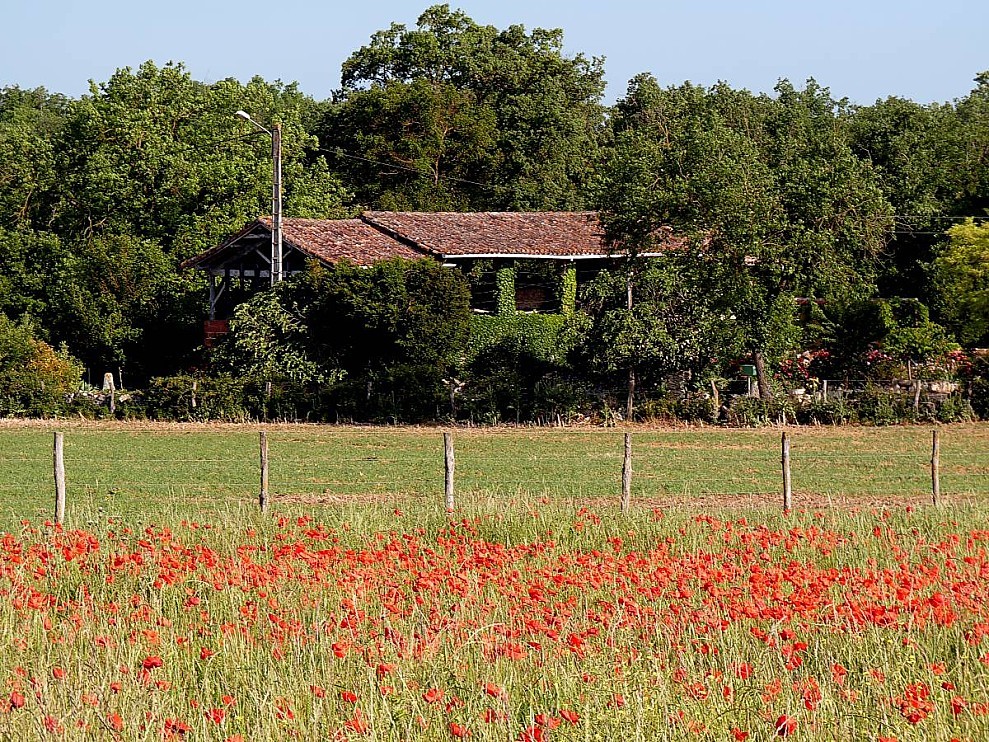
x=449, y=466
x=627, y=474
x=935, y=466
x=787, y=488
x=59, y=459
x=263, y=496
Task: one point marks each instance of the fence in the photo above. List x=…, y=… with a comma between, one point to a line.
x=789, y=469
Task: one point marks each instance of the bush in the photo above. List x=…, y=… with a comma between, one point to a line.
x=35, y=379
x=747, y=412
x=877, y=406
x=197, y=398
x=824, y=412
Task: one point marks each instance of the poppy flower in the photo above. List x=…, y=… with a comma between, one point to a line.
x=785, y=726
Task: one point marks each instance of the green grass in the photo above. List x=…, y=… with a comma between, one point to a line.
x=120, y=469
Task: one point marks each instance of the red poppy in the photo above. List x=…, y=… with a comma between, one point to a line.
x=785, y=726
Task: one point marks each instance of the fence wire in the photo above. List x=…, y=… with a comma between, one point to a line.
x=553, y=463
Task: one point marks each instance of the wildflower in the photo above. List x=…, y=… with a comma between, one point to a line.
x=458, y=730
x=432, y=695
x=785, y=726
x=356, y=723
x=216, y=715
x=532, y=734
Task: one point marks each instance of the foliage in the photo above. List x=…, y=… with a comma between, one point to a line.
x=671, y=328
x=961, y=271
x=267, y=340
x=35, y=379
x=399, y=329
x=453, y=115
x=540, y=334
x=505, y=286
x=765, y=191
x=568, y=291
x=880, y=336
x=184, y=398
x=515, y=369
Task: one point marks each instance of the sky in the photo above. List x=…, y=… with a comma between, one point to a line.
x=864, y=50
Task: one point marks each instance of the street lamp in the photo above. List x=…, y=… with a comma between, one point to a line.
x=276, y=194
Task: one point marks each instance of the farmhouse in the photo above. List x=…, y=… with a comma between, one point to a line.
x=534, y=249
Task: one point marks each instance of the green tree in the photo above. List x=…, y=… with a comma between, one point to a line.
x=961, y=271
x=467, y=116
x=31, y=123
x=156, y=155
x=671, y=328
x=766, y=193
x=119, y=303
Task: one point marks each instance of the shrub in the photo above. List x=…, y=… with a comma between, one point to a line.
x=824, y=412
x=197, y=398
x=753, y=412
x=35, y=379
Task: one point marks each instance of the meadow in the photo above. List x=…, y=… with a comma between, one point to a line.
x=168, y=607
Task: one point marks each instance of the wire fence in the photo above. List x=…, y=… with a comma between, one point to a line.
x=132, y=470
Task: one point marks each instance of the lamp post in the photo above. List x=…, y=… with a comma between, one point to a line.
x=276, y=194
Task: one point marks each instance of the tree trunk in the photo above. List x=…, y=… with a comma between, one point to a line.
x=765, y=391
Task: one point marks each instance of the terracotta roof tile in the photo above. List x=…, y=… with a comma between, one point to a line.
x=333, y=240
x=329, y=240
x=380, y=235
x=546, y=233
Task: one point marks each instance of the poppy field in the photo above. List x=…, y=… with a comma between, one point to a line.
x=529, y=621
x=169, y=608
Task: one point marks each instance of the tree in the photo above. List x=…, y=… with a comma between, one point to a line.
x=671, y=328
x=961, y=271
x=156, y=155
x=119, y=303
x=765, y=191
x=453, y=114
x=31, y=122
x=34, y=378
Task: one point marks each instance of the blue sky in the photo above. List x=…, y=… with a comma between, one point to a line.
x=923, y=50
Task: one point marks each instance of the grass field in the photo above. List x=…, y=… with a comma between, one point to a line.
x=124, y=469
x=169, y=608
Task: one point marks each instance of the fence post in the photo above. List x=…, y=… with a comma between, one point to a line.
x=59, y=460
x=787, y=488
x=627, y=474
x=449, y=466
x=263, y=496
x=935, y=466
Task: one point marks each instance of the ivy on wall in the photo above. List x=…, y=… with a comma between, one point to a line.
x=505, y=285
x=539, y=333
x=568, y=291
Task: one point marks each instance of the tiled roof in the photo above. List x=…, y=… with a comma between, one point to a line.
x=332, y=240
x=329, y=240
x=380, y=235
x=537, y=233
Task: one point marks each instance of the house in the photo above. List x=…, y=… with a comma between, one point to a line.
x=538, y=247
